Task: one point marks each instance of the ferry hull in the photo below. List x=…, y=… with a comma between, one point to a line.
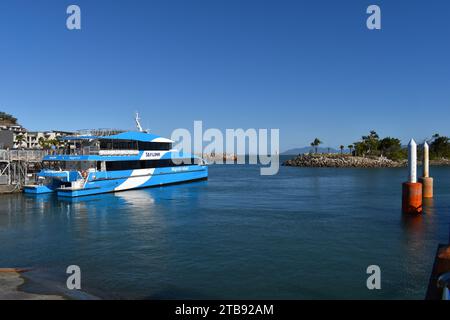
x=135, y=182
x=37, y=189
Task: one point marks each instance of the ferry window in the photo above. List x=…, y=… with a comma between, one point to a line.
x=154, y=145
x=80, y=165
x=118, y=145
x=53, y=165
x=122, y=165
x=106, y=144
x=134, y=145
x=148, y=164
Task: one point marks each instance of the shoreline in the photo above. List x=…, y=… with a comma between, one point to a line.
x=349, y=161
x=30, y=284
x=10, y=287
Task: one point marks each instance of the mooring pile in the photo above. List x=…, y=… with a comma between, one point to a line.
x=414, y=191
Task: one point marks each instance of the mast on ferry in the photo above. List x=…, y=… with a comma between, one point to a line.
x=138, y=123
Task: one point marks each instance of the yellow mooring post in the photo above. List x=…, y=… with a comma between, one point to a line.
x=427, y=181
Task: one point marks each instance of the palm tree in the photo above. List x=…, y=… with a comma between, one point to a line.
x=312, y=147
x=350, y=147
x=44, y=143
x=316, y=143
x=20, y=139
x=55, y=143
x=41, y=141
x=342, y=148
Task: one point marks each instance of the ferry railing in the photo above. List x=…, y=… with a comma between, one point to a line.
x=38, y=155
x=94, y=151
x=84, y=151
x=90, y=150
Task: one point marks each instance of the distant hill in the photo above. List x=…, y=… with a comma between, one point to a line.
x=296, y=151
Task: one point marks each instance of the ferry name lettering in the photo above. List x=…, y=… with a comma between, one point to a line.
x=152, y=154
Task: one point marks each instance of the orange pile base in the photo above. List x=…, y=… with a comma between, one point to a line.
x=412, y=197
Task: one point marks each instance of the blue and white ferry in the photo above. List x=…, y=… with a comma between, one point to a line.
x=118, y=162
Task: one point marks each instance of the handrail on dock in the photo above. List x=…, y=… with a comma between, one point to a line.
x=22, y=155
x=439, y=284
x=443, y=283
x=38, y=155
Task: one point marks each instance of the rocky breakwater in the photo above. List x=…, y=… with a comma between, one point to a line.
x=341, y=161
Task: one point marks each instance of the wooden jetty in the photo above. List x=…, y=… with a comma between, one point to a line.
x=17, y=168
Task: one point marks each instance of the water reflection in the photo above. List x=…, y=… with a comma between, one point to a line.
x=137, y=199
x=428, y=206
x=417, y=224
x=419, y=230
x=413, y=224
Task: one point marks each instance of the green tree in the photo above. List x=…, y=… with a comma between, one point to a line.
x=368, y=145
x=371, y=142
x=359, y=148
x=55, y=142
x=391, y=148
x=342, y=148
x=44, y=143
x=20, y=138
x=439, y=146
x=316, y=143
x=350, y=147
x=6, y=117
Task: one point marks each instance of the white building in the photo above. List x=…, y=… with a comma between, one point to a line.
x=32, y=139
x=8, y=132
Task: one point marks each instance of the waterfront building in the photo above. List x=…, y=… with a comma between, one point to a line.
x=35, y=139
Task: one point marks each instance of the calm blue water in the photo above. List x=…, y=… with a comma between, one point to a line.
x=304, y=233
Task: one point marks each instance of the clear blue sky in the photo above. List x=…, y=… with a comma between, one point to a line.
x=309, y=68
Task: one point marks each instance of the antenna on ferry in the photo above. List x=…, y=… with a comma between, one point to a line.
x=138, y=124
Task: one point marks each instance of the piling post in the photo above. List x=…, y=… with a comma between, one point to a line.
x=427, y=181
x=412, y=190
